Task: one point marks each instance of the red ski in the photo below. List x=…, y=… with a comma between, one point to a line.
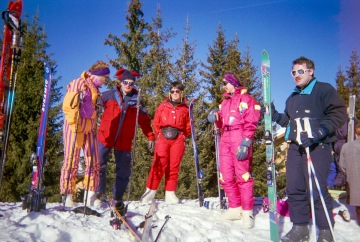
x=9, y=59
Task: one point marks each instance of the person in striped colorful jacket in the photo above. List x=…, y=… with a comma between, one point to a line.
x=79, y=131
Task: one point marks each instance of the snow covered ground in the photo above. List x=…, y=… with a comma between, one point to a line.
x=188, y=223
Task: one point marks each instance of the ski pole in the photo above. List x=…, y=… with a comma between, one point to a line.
x=217, y=140
x=134, y=145
x=308, y=158
x=308, y=129
x=98, y=111
x=80, y=98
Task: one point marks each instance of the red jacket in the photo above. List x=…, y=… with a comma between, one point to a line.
x=175, y=116
x=111, y=132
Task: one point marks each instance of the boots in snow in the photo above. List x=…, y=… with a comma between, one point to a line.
x=90, y=198
x=325, y=236
x=148, y=196
x=248, y=219
x=232, y=213
x=170, y=197
x=69, y=201
x=298, y=233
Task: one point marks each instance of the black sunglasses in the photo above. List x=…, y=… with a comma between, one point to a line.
x=175, y=91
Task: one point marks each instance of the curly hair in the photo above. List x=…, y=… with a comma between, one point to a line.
x=98, y=66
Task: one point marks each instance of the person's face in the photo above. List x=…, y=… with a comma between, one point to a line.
x=175, y=94
x=301, y=75
x=99, y=80
x=228, y=87
x=127, y=86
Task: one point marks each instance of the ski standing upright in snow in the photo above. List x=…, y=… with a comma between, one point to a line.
x=148, y=221
x=269, y=141
x=35, y=200
x=198, y=170
x=351, y=124
x=221, y=192
x=10, y=56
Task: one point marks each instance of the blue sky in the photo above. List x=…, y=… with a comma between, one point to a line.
x=323, y=30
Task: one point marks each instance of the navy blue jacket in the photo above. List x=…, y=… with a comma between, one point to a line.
x=318, y=101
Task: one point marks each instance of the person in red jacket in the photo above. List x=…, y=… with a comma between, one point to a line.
x=117, y=130
x=237, y=117
x=172, y=126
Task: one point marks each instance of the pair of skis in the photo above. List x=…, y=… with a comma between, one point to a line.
x=10, y=57
x=35, y=199
x=269, y=142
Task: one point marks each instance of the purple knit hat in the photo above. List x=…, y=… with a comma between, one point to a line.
x=232, y=80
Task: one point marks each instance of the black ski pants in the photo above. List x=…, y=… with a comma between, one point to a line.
x=297, y=184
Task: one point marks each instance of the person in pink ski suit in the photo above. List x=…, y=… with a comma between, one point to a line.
x=237, y=117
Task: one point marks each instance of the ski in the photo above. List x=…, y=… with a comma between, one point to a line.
x=269, y=141
x=351, y=123
x=198, y=170
x=35, y=200
x=221, y=192
x=10, y=56
x=118, y=219
x=148, y=221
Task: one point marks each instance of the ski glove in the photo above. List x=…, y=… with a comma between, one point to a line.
x=243, y=150
x=151, y=145
x=213, y=116
x=318, y=135
x=275, y=117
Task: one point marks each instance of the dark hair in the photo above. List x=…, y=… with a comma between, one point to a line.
x=177, y=84
x=303, y=60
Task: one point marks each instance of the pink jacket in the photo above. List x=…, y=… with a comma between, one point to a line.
x=239, y=111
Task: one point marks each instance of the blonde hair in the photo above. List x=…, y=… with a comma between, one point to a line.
x=98, y=66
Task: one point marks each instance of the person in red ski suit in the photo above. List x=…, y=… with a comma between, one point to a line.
x=172, y=126
x=84, y=135
x=237, y=117
x=117, y=130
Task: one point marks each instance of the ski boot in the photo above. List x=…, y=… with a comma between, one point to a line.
x=325, y=236
x=298, y=233
x=120, y=207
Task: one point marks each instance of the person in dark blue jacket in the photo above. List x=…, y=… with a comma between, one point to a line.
x=318, y=108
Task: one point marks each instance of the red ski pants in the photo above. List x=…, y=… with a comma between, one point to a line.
x=167, y=159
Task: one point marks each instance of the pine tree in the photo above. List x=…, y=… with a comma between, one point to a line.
x=185, y=71
x=155, y=82
x=349, y=83
x=26, y=116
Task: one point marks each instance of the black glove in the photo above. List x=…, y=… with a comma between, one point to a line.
x=318, y=135
x=275, y=114
x=243, y=150
x=213, y=116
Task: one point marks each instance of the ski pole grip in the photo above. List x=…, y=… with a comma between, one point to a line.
x=299, y=129
x=307, y=127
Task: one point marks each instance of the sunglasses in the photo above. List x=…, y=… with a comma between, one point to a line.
x=175, y=91
x=128, y=83
x=225, y=83
x=299, y=71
